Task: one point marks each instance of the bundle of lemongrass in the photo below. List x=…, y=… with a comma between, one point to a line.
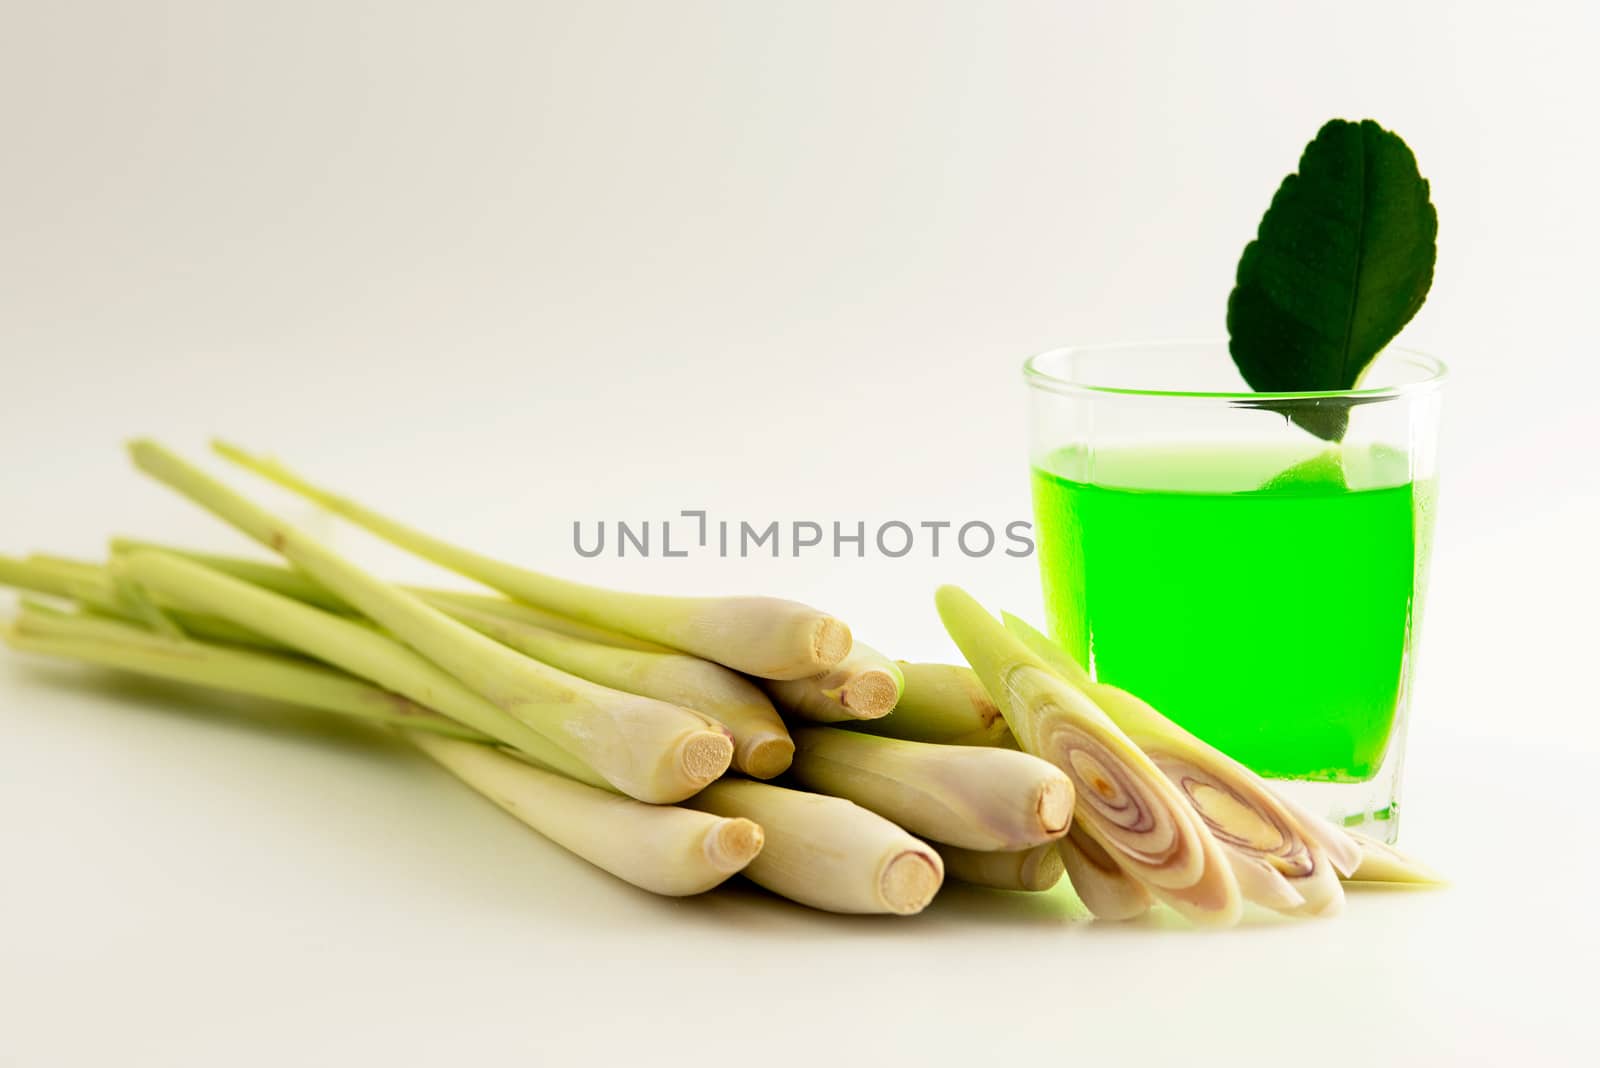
x=636, y=731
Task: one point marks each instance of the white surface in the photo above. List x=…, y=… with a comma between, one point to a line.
x=502, y=269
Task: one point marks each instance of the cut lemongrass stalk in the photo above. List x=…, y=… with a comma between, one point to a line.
x=864, y=685
x=1238, y=806
x=109, y=643
x=1382, y=863
x=660, y=848
x=942, y=703
x=93, y=587
x=1036, y=869
x=349, y=645
x=1106, y=890
x=301, y=587
x=975, y=798
x=1124, y=802
x=827, y=852
x=646, y=748
x=762, y=636
x=1263, y=883
x=762, y=746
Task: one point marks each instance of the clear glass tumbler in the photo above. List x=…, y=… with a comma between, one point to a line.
x=1259, y=584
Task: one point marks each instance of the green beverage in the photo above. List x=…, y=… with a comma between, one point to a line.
x=1263, y=598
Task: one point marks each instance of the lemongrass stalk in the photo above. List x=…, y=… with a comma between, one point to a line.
x=351, y=646
x=660, y=848
x=1265, y=836
x=1382, y=863
x=1264, y=884
x=942, y=703
x=975, y=798
x=1124, y=802
x=113, y=644
x=93, y=588
x=827, y=852
x=266, y=574
x=864, y=685
x=762, y=746
x=646, y=748
x=301, y=587
x=1106, y=890
x=1036, y=869
x=762, y=636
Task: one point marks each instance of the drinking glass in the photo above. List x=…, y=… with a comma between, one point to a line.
x=1259, y=584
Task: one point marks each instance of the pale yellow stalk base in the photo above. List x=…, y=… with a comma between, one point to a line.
x=1035, y=870
x=659, y=848
x=827, y=852
x=975, y=798
x=864, y=685
x=762, y=746
x=942, y=703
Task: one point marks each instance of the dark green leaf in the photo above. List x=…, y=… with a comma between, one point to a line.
x=1342, y=261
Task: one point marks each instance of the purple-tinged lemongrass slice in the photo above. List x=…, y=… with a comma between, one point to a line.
x=1124, y=802
x=1245, y=815
x=1382, y=863
x=1108, y=892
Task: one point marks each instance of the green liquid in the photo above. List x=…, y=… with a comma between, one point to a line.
x=1254, y=597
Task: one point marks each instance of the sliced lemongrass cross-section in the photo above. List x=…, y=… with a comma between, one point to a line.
x=943, y=703
x=1381, y=863
x=128, y=647
x=864, y=685
x=763, y=636
x=1264, y=836
x=971, y=797
x=1106, y=890
x=646, y=748
x=1124, y=802
x=827, y=852
x=1036, y=869
x=660, y=848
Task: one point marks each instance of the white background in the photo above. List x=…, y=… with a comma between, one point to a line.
x=503, y=266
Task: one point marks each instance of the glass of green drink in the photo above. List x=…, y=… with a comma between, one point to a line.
x=1260, y=585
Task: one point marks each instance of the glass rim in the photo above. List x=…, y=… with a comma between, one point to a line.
x=1434, y=370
